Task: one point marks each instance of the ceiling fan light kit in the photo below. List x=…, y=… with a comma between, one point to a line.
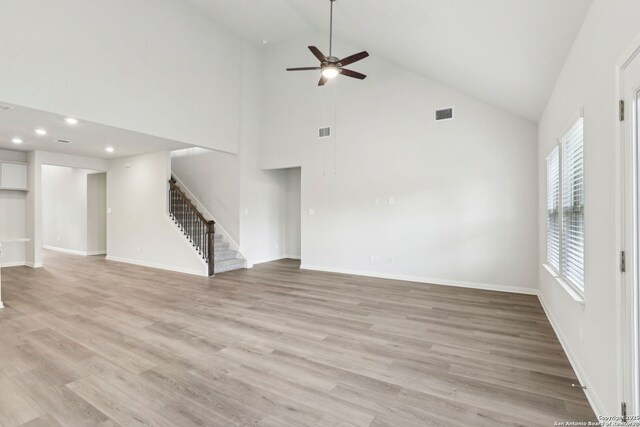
x=331, y=66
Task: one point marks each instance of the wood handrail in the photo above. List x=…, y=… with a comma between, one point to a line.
x=188, y=202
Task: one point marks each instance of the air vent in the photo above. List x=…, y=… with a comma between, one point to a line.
x=5, y=108
x=63, y=141
x=324, y=132
x=444, y=114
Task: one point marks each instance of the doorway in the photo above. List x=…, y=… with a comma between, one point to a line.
x=630, y=256
x=74, y=210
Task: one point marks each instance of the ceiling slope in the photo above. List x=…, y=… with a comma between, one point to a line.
x=507, y=53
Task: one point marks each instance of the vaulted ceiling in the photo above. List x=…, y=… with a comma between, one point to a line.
x=505, y=52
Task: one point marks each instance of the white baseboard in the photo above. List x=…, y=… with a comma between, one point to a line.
x=159, y=266
x=592, y=397
x=12, y=264
x=64, y=250
x=291, y=257
x=96, y=253
x=263, y=260
x=418, y=279
x=32, y=265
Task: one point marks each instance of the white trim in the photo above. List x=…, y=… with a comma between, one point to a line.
x=419, y=279
x=565, y=285
x=154, y=265
x=96, y=253
x=292, y=257
x=625, y=239
x=34, y=265
x=64, y=250
x=13, y=264
x=590, y=391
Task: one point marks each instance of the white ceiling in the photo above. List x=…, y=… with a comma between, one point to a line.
x=87, y=139
x=505, y=52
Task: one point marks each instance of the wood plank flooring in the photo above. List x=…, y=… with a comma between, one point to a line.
x=87, y=342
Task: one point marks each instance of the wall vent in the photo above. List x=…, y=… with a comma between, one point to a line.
x=324, y=132
x=5, y=108
x=63, y=141
x=444, y=114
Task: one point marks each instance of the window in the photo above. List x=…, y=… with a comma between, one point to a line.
x=565, y=208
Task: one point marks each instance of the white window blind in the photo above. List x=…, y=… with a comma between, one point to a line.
x=565, y=208
x=573, y=206
x=553, y=209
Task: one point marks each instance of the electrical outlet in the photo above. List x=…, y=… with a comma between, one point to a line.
x=1, y=252
x=390, y=260
x=246, y=211
x=59, y=238
x=374, y=258
x=138, y=249
x=312, y=212
x=392, y=201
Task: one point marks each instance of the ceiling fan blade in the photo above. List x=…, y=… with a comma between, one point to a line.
x=316, y=52
x=354, y=58
x=322, y=81
x=353, y=74
x=304, y=69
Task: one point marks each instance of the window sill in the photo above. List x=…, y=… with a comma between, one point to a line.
x=567, y=287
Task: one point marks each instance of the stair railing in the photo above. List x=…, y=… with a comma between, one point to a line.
x=195, y=226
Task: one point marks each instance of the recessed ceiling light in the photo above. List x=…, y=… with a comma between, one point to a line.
x=17, y=141
x=41, y=131
x=71, y=121
x=109, y=149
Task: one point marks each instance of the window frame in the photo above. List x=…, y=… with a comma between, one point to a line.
x=576, y=292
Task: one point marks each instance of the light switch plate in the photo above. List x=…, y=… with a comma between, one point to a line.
x=109, y=210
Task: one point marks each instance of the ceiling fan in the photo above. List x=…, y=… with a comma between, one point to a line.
x=330, y=66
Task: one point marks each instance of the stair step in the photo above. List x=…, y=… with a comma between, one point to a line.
x=220, y=246
x=225, y=255
x=228, y=265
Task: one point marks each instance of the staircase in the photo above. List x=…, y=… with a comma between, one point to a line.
x=200, y=232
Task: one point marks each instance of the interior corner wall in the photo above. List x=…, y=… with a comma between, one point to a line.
x=96, y=214
x=292, y=227
x=262, y=192
x=176, y=76
x=64, y=208
x=13, y=216
x=588, y=82
x=393, y=193
x=139, y=230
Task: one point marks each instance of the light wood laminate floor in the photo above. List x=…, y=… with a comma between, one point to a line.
x=87, y=342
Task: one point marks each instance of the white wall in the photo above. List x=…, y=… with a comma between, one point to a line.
x=293, y=216
x=97, y=214
x=213, y=177
x=13, y=216
x=139, y=230
x=464, y=190
x=64, y=208
x=159, y=67
x=588, y=81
